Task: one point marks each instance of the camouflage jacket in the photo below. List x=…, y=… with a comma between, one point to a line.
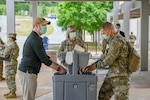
x=116, y=57
x=12, y=49
x=1, y=42
x=67, y=45
x=104, y=45
x=132, y=37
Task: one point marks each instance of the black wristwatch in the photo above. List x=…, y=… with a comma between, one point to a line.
x=58, y=69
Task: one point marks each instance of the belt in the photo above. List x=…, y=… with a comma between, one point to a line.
x=28, y=71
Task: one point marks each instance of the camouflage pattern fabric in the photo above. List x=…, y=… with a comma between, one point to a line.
x=132, y=38
x=1, y=68
x=104, y=45
x=1, y=42
x=116, y=57
x=67, y=45
x=10, y=77
x=117, y=79
x=118, y=86
x=11, y=66
x=1, y=62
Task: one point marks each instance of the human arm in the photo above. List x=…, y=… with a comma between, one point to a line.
x=41, y=54
x=109, y=59
x=82, y=44
x=61, y=50
x=8, y=51
x=57, y=67
x=2, y=44
x=104, y=45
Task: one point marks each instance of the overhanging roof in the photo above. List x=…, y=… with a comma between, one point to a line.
x=76, y=0
x=134, y=13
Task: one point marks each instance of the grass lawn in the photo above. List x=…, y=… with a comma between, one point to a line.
x=91, y=47
x=26, y=25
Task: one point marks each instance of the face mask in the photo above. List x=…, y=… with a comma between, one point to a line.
x=72, y=34
x=8, y=41
x=106, y=37
x=116, y=30
x=43, y=30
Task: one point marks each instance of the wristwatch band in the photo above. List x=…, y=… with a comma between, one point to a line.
x=58, y=69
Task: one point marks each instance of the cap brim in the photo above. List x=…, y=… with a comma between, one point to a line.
x=49, y=23
x=46, y=22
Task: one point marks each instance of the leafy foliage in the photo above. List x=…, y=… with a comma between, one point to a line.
x=2, y=1
x=85, y=15
x=2, y=10
x=20, y=7
x=49, y=4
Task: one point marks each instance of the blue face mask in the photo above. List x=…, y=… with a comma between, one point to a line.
x=43, y=30
x=116, y=30
x=72, y=35
x=106, y=37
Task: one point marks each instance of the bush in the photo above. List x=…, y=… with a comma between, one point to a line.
x=2, y=10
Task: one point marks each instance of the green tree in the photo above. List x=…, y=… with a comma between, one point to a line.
x=49, y=4
x=85, y=15
x=19, y=7
x=2, y=11
x=2, y=1
x=44, y=11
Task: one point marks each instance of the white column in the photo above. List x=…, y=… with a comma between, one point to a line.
x=149, y=35
x=34, y=9
x=109, y=15
x=144, y=34
x=126, y=19
x=115, y=12
x=138, y=40
x=10, y=16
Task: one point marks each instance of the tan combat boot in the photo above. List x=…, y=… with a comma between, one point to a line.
x=2, y=78
x=7, y=94
x=12, y=94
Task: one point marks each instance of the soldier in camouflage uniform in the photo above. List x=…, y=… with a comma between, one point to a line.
x=132, y=39
x=116, y=81
x=11, y=50
x=68, y=45
x=1, y=62
x=104, y=45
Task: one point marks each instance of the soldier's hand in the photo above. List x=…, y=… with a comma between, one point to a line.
x=88, y=68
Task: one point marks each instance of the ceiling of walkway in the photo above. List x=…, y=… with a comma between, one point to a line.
x=77, y=0
x=134, y=13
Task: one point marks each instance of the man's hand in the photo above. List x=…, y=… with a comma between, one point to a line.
x=88, y=68
x=62, y=70
x=2, y=47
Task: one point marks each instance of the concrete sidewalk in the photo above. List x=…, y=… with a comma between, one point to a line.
x=44, y=84
x=140, y=85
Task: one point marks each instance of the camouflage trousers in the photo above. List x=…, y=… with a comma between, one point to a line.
x=1, y=68
x=132, y=43
x=10, y=72
x=117, y=86
x=1, y=62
